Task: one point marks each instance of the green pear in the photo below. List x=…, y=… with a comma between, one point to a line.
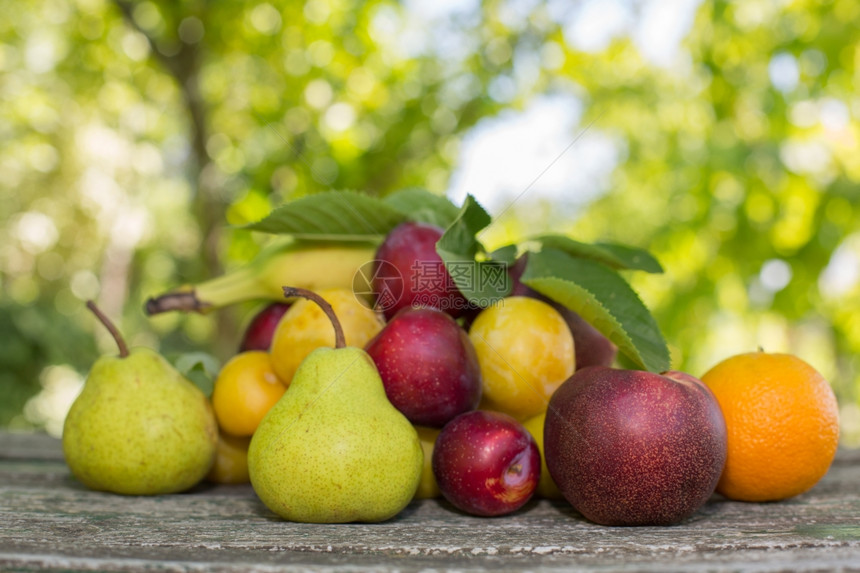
x=138, y=427
x=334, y=449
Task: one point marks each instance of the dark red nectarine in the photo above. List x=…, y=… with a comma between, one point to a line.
x=627, y=447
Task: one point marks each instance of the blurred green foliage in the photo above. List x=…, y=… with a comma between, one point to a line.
x=133, y=133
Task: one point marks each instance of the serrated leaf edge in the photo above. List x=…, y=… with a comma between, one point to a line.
x=607, y=257
x=617, y=335
x=373, y=230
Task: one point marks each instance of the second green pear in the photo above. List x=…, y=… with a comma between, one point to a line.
x=334, y=449
x=138, y=427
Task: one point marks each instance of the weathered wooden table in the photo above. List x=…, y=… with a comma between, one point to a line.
x=49, y=521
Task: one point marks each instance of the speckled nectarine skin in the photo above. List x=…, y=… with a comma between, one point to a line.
x=628, y=447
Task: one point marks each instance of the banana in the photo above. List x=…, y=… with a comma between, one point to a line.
x=312, y=267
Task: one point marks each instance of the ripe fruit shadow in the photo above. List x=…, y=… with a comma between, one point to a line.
x=528, y=507
x=260, y=510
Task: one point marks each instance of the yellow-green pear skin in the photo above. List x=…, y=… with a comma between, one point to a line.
x=139, y=428
x=334, y=449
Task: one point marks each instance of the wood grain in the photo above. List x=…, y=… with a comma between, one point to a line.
x=50, y=522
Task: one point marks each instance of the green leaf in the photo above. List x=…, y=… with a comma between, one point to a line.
x=481, y=282
x=460, y=235
x=332, y=216
x=610, y=254
x=602, y=297
x=423, y=206
x=199, y=367
x=506, y=255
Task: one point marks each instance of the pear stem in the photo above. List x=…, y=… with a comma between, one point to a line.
x=339, y=339
x=123, y=349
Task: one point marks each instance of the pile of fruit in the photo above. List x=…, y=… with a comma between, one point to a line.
x=397, y=359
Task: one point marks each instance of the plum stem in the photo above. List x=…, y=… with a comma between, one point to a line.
x=339, y=339
x=123, y=349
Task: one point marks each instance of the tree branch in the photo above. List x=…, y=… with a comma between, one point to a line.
x=184, y=67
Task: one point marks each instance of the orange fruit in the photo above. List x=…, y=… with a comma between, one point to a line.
x=246, y=388
x=782, y=421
